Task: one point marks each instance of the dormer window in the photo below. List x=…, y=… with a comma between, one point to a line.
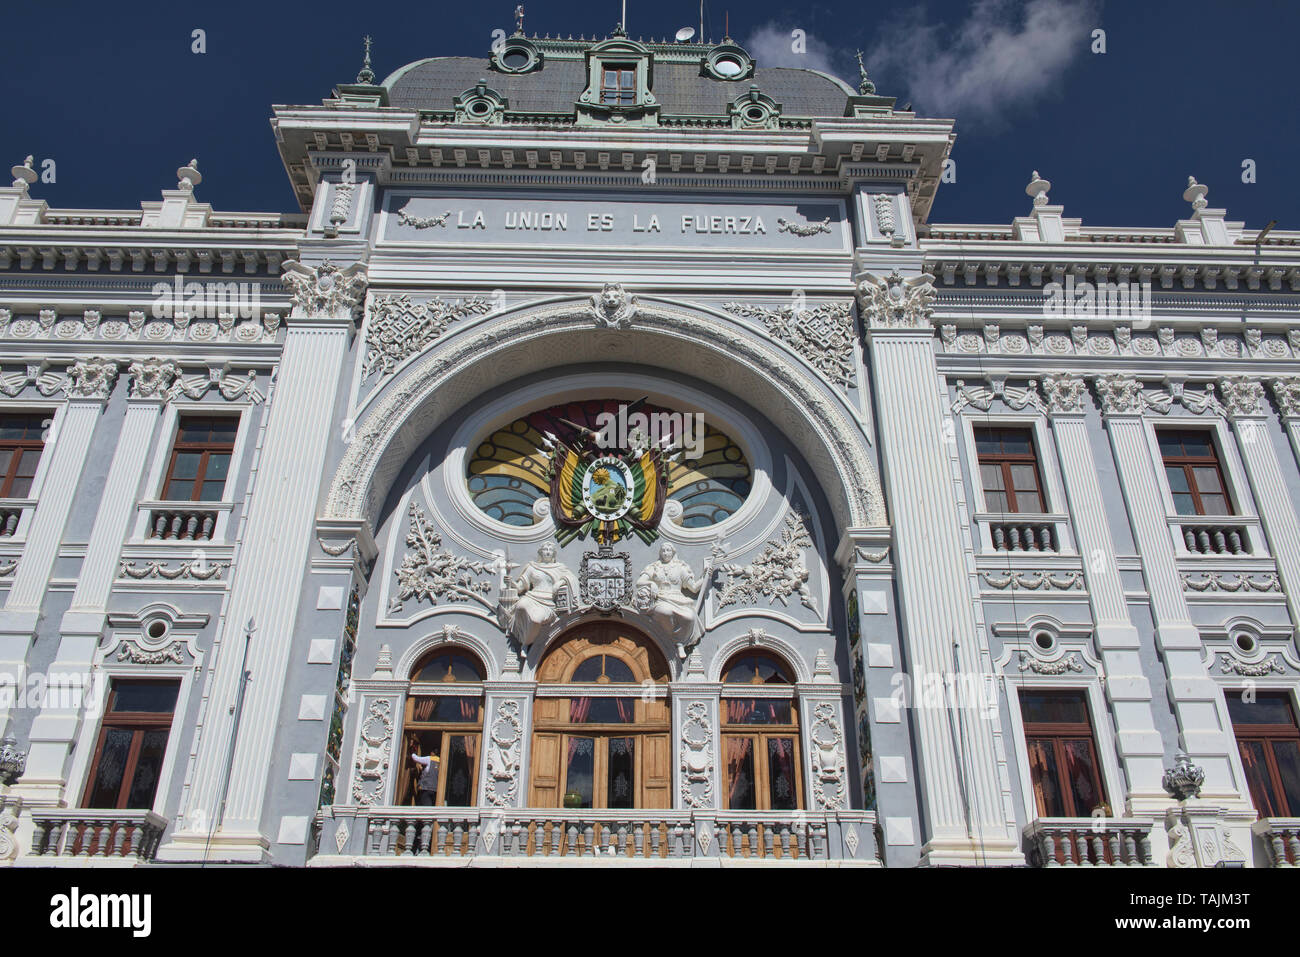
x=618, y=84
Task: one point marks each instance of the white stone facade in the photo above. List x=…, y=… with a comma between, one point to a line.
x=458, y=267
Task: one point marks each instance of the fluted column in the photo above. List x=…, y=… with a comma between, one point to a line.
x=89, y=384
x=269, y=571
x=1195, y=698
x=55, y=730
x=1286, y=391
x=968, y=815
x=1128, y=691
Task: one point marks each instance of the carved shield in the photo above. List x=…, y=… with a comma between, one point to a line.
x=606, y=578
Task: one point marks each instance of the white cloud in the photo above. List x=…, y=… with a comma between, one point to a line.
x=1007, y=53
x=773, y=45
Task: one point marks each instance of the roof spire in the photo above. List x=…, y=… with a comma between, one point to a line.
x=519, y=20
x=367, y=75
x=865, y=86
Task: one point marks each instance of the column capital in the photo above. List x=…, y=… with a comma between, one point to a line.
x=1286, y=390
x=895, y=303
x=1118, y=394
x=1064, y=393
x=1243, y=397
x=91, y=379
x=151, y=379
x=325, y=291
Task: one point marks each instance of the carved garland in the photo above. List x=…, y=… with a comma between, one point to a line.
x=430, y=572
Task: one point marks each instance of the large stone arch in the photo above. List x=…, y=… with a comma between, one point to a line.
x=691, y=340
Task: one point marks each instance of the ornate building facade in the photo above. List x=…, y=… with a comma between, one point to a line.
x=611, y=462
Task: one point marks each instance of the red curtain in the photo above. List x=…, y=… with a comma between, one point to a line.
x=739, y=710
x=423, y=709
x=579, y=708
x=469, y=709
x=624, y=709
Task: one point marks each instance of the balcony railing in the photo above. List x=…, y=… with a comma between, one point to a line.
x=1024, y=536
x=440, y=835
x=1281, y=835
x=182, y=524
x=10, y=516
x=78, y=833
x=1075, y=842
x=1216, y=539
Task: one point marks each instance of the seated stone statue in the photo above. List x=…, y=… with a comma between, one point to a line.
x=667, y=590
x=545, y=588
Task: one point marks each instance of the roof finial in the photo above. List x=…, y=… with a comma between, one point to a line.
x=1195, y=193
x=1038, y=188
x=865, y=86
x=367, y=75
x=519, y=20
x=189, y=176
x=24, y=175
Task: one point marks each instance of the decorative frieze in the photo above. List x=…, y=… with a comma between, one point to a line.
x=1083, y=341
x=230, y=387
x=397, y=328
x=982, y=397
x=822, y=335
x=133, y=652
x=1042, y=666
x=778, y=573
x=803, y=229
x=1034, y=581
x=197, y=570
x=1216, y=581
x=1230, y=664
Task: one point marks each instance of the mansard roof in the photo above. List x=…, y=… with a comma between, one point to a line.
x=680, y=85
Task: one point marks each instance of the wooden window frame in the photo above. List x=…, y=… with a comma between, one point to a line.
x=1189, y=464
x=759, y=735
x=206, y=449
x=1059, y=732
x=1266, y=734
x=617, y=95
x=408, y=790
x=20, y=448
x=138, y=723
x=1005, y=460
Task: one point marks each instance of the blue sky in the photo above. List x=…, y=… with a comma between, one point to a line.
x=116, y=97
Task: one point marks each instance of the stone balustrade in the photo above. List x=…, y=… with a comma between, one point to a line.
x=1100, y=842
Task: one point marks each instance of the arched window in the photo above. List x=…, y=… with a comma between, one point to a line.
x=443, y=731
x=601, y=723
x=760, y=735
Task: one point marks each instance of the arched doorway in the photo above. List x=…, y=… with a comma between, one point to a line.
x=601, y=724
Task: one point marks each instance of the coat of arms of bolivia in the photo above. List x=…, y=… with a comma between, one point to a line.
x=606, y=493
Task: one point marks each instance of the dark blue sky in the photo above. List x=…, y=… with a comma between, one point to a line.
x=113, y=94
